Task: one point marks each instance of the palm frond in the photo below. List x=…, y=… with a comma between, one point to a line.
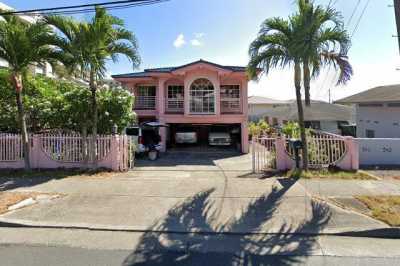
x=339, y=61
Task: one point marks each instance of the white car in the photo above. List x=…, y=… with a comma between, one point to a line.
x=186, y=137
x=219, y=139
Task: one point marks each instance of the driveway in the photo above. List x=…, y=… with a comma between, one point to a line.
x=188, y=192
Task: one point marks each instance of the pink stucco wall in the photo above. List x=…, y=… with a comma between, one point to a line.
x=186, y=76
x=115, y=160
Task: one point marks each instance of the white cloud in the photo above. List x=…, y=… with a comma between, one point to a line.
x=179, y=41
x=199, y=35
x=196, y=42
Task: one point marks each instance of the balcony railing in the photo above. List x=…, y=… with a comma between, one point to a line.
x=230, y=106
x=145, y=103
x=174, y=106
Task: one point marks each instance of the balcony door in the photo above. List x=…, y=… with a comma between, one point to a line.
x=202, y=97
x=145, y=98
x=175, y=99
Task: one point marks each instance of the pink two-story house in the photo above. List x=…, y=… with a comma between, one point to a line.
x=200, y=94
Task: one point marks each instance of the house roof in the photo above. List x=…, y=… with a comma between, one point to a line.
x=318, y=111
x=254, y=100
x=390, y=93
x=148, y=71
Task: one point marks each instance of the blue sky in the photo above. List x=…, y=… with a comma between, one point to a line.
x=181, y=31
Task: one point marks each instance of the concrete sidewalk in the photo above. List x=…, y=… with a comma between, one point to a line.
x=213, y=203
x=199, y=193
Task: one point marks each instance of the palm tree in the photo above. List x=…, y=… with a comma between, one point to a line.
x=326, y=43
x=276, y=46
x=24, y=45
x=89, y=46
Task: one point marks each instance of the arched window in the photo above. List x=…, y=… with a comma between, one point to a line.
x=202, y=97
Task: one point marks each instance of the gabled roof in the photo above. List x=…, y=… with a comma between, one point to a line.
x=382, y=94
x=318, y=111
x=147, y=72
x=254, y=100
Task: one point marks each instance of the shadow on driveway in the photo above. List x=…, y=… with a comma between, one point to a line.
x=186, y=158
x=216, y=248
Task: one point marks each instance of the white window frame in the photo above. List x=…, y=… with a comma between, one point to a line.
x=208, y=103
x=175, y=104
x=227, y=99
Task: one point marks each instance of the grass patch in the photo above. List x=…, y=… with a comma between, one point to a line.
x=330, y=174
x=56, y=173
x=383, y=208
x=8, y=199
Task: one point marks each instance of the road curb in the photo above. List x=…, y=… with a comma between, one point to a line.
x=392, y=233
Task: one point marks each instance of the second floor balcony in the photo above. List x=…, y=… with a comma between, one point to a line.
x=145, y=103
x=174, y=106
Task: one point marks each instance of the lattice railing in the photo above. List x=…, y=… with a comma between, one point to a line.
x=11, y=148
x=71, y=148
x=263, y=153
x=324, y=149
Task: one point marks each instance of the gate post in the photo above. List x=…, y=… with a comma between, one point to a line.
x=115, y=153
x=353, y=151
x=281, y=156
x=34, y=152
x=253, y=154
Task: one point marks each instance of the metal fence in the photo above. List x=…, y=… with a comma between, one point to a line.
x=11, y=147
x=324, y=149
x=263, y=153
x=71, y=148
x=55, y=150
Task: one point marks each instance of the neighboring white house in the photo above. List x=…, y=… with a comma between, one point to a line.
x=320, y=115
x=259, y=105
x=44, y=69
x=377, y=112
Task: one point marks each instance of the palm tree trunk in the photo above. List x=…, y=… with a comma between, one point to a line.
x=17, y=81
x=93, y=88
x=297, y=82
x=307, y=78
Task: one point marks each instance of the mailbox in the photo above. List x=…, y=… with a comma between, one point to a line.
x=296, y=144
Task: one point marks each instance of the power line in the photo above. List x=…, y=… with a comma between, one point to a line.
x=83, y=8
x=354, y=30
x=87, y=10
x=359, y=19
x=354, y=12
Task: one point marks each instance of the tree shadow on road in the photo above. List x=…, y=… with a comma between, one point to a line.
x=209, y=244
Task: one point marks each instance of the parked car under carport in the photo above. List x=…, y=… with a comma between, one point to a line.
x=205, y=135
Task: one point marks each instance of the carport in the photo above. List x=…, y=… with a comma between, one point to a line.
x=202, y=132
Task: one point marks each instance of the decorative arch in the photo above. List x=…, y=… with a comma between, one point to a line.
x=202, y=97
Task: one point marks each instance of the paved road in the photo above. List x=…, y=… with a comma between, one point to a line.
x=23, y=246
x=66, y=256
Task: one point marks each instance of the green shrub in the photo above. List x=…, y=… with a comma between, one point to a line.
x=56, y=104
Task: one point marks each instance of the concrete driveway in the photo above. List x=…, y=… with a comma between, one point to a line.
x=188, y=192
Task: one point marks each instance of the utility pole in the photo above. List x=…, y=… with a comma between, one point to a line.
x=397, y=13
x=329, y=95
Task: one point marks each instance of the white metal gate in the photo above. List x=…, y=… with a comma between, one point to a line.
x=263, y=153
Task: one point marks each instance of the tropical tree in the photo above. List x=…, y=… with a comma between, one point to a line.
x=22, y=45
x=326, y=43
x=89, y=45
x=277, y=46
